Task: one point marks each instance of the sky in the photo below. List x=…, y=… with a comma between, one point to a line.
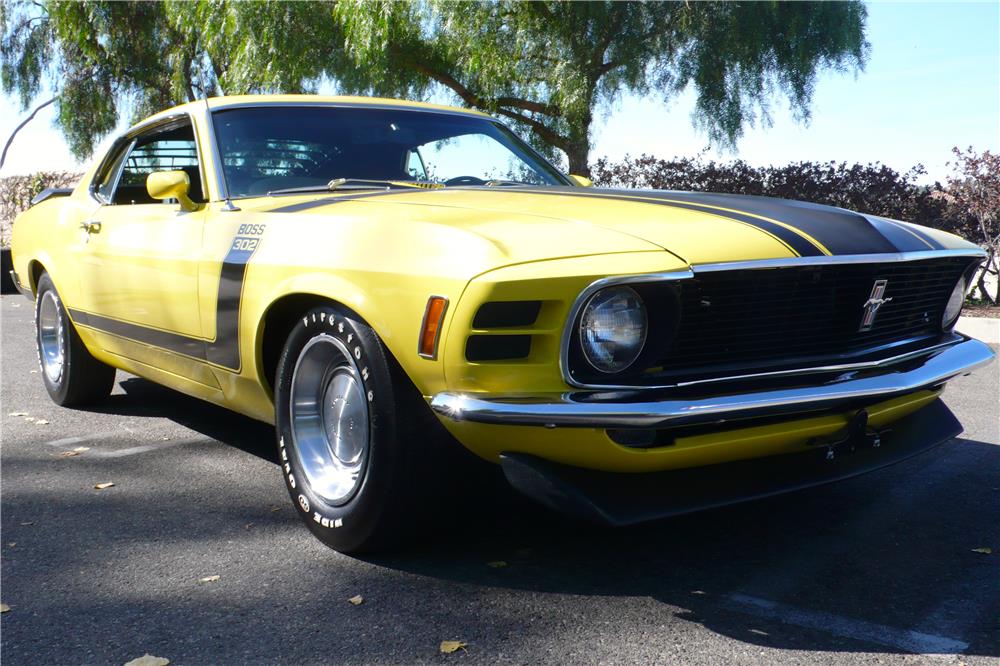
x=932, y=82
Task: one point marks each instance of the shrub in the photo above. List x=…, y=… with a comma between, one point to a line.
x=16, y=193
x=967, y=206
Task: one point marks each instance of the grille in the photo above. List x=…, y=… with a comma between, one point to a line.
x=767, y=317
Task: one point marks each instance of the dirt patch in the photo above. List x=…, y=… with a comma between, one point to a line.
x=987, y=311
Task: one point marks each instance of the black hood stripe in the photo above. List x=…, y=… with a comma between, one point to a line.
x=906, y=238
x=839, y=231
x=796, y=242
x=333, y=198
x=807, y=229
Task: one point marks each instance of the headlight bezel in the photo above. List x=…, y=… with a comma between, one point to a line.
x=955, y=304
x=660, y=294
x=601, y=298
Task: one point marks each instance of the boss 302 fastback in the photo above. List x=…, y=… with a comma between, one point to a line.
x=349, y=269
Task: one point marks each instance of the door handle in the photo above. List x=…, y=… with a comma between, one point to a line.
x=91, y=227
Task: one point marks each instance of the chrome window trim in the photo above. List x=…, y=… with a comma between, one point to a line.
x=225, y=106
x=132, y=134
x=95, y=184
x=792, y=262
x=217, y=154
x=221, y=186
x=788, y=262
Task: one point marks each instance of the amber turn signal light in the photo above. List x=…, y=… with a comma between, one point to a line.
x=430, y=329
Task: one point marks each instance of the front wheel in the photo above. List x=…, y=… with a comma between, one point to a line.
x=352, y=433
x=71, y=375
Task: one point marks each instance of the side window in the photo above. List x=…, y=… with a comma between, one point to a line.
x=104, y=186
x=166, y=150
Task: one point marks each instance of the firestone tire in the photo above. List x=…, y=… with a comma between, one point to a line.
x=71, y=375
x=356, y=444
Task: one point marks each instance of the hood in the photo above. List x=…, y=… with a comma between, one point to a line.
x=697, y=227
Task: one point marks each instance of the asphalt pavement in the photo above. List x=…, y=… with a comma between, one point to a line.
x=890, y=567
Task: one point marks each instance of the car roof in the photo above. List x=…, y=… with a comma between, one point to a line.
x=230, y=101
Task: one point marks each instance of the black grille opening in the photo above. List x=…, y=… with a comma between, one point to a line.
x=497, y=347
x=748, y=320
x=506, y=314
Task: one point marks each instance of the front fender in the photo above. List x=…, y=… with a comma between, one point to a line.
x=392, y=305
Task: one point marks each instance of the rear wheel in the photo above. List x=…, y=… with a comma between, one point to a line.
x=361, y=455
x=71, y=375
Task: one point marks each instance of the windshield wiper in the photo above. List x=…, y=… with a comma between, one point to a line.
x=506, y=183
x=361, y=184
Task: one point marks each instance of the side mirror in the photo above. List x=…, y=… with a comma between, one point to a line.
x=170, y=185
x=581, y=181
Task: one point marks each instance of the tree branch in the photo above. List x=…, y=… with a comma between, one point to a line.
x=528, y=105
x=3, y=157
x=472, y=99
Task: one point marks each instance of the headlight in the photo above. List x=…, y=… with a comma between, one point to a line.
x=955, y=303
x=613, y=329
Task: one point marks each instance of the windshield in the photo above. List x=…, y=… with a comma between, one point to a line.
x=266, y=149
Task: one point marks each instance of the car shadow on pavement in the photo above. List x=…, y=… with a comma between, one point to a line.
x=852, y=567
x=144, y=398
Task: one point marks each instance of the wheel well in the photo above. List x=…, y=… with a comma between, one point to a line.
x=35, y=270
x=279, y=320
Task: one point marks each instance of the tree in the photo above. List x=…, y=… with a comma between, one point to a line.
x=974, y=191
x=548, y=66
x=545, y=66
x=98, y=57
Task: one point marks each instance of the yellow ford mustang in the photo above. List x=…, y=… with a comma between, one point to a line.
x=350, y=268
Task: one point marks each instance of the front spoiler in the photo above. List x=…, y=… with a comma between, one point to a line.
x=623, y=499
x=658, y=408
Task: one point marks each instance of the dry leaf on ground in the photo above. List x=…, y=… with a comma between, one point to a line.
x=148, y=660
x=4, y=608
x=983, y=551
x=357, y=600
x=102, y=486
x=209, y=579
x=447, y=647
x=73, y=452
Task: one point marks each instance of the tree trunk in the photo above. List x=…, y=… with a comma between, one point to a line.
x=578, y=154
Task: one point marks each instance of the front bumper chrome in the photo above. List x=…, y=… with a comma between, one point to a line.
x=659, y=408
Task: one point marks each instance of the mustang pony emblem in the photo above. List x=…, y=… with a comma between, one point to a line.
x=872, y=305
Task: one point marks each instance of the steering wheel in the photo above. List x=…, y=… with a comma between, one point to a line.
x=465, y=180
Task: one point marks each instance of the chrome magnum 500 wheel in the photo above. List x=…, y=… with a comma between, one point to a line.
x=329, y=418
x=71, y=375
x=353, y=434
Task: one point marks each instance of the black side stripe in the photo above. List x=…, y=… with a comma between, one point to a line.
x=224, y=349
